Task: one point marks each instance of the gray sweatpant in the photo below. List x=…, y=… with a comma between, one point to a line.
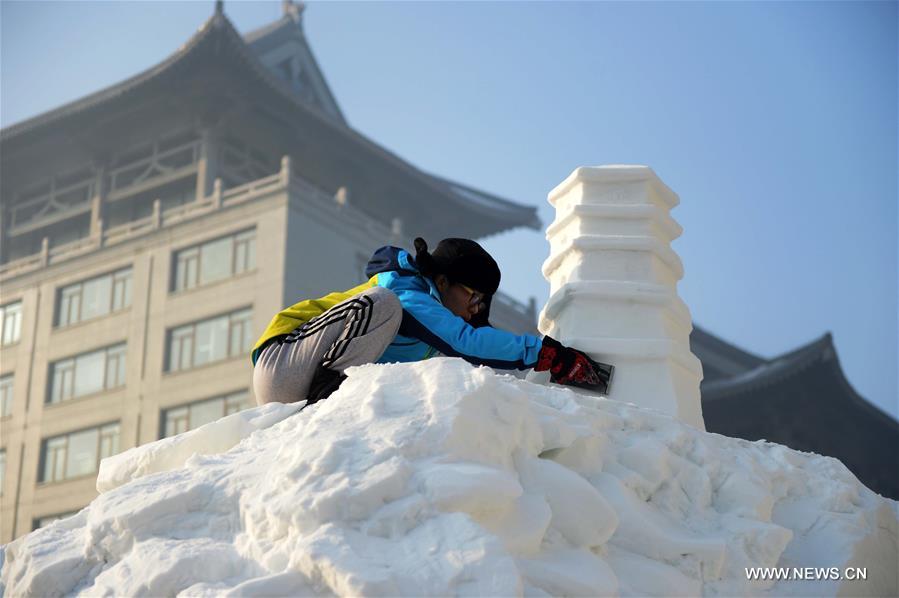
x=353, y=332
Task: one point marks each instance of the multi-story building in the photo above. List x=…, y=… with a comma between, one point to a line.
x=152, y=229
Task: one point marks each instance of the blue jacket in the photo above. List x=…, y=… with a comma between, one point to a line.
x=427, y=326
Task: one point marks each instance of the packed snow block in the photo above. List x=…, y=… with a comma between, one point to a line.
x=613, y=286
x=171, y=453
x=567, y=572
x=439, y=478
x=579, y=511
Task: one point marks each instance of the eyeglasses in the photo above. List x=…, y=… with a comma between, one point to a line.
x=475, y=298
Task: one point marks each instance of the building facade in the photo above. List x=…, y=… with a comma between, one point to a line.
x=151, y=230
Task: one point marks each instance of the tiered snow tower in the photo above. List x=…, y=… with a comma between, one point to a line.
x=613, y=286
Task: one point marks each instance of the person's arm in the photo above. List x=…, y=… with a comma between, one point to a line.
x=427, y=320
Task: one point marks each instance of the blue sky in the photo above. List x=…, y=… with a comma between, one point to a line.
x=776, y=123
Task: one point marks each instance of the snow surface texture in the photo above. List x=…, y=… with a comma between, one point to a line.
x=438, y=478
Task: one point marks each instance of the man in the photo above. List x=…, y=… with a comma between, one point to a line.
x=410, y=309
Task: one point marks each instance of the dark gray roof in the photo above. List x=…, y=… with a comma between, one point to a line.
x=505, y=213
x=113, y=92
x=283, y=31
x=770, y=372
x=272, y=34
x=803, y=400
x=788, y=368
x=481, y=201
x=720, y=359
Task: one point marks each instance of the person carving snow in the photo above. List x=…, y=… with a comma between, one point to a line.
x=410, y=309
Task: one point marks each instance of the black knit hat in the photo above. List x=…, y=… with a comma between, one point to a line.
x=465, y=262
x=462, y=261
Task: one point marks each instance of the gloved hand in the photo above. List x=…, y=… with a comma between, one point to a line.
x=572, y=367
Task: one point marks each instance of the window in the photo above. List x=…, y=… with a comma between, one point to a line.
x=188, y=417
x=77, y=453
x=94, y=297
x=10, y=323
x=209, y=340
x=239, y=332
x=87, y=373
x=6, y=386
x=214, y=260
x=115, y=367
x=48, y=519
x=244, y=251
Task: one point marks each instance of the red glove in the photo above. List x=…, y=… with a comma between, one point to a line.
x=572, y=367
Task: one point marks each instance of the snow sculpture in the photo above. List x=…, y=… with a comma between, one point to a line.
x=437, y=478
x=613, y=278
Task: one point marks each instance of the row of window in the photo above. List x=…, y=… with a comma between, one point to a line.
x=188, y=346
x=210, y=340
x=214, y=260
x=87, y=373
x=193, y=266
x=177, y=420
x=174, y=421
x=79, y=453
x=94, y=297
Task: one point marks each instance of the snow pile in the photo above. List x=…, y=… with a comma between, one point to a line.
x=437, y=478
x=171, y=453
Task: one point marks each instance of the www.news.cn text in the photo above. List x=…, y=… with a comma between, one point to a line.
x=805, y=573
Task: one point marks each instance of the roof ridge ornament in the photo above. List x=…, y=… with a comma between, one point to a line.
x=219, y=7
x=293, y=9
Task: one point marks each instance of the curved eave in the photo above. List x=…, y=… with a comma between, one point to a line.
x=114, y=92
x=774, y=371
x=493, y=206
x=788, y=368
x=702, y=337
x=219, y=29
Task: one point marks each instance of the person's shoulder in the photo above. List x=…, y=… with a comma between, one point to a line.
x=398, y=280
x=390, y=259
x=412, y=290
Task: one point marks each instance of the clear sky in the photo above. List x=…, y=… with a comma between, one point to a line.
x=776, y=123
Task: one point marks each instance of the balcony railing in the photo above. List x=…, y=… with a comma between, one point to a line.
x=157, y=167
x=71, y=249
x=217, y=200
x=159, y=218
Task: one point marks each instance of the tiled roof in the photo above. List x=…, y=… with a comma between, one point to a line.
x=218, y=28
